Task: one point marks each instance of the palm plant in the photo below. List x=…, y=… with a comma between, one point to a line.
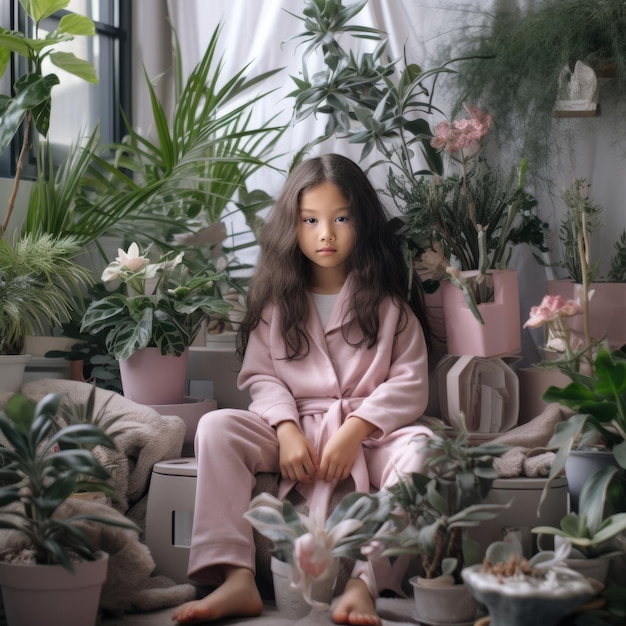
x=198, y=165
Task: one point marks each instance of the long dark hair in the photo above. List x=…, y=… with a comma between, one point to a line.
x=283, y=273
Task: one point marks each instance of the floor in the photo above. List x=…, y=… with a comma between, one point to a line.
x=393, y=612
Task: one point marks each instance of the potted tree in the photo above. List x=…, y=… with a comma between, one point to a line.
x=38, y=271
x=44, y=462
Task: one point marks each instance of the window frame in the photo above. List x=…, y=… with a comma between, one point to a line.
x=120, y=84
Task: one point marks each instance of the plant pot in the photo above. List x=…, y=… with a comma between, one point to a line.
x=607, y=311
x=523, y=495
x=190, y=411
x=38, y=345
x=290, y=602
x=525, y=600
x=148, y=377
x=442, y=604
x=533, y=383
x=500, y=335
x=579, y=466
x=51, y=595
x=12, y=368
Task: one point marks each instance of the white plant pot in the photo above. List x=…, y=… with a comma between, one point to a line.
x=525, y=600
x=12, y=368
x=290, y=602
x=442, y=604
x=49, y=594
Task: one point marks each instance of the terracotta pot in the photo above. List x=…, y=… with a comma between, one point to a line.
x=49, y=594
x=148, y=377
x=500, y=335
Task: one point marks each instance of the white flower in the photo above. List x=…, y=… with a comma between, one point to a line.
x=132, y=260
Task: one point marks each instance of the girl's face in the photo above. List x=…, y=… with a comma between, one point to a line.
x=326, y=235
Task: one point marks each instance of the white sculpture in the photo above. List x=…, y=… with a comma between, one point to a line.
x=578, y=90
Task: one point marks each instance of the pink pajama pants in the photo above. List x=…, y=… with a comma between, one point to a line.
x=233, y=445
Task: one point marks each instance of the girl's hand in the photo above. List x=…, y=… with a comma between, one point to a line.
x=297, y=456
x=340, y=452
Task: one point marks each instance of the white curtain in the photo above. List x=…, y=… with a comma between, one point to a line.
x=257, y=32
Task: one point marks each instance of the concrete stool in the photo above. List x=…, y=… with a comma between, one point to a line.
x=169, y=516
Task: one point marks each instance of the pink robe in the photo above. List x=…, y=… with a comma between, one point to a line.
x=386, y=385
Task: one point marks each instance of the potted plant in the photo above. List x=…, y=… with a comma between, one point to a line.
x=44, y=462
x=598, y=427
x=307, y=548
x=514, y=54
x=157, y=312
x=590, y=531
x=462, y=228
x=519, y=591
x=38, y=271
x=437, y=506
x=607, y=304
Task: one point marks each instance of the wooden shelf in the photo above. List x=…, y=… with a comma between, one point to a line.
x=594, y=113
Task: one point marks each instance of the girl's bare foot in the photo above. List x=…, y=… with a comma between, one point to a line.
x=356, y=606
x=237, y=596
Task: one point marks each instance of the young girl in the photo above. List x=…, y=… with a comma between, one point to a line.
x=336, y=362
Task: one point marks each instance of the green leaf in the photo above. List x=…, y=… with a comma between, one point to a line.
x=32, y=92
x=41, y=9
x=74, y=24
x=69, y=62
x=592, y=498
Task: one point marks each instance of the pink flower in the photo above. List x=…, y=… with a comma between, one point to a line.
x=313, y=555
x=463, y=133
x=551, y=309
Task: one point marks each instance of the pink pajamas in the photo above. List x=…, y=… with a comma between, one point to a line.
x=386, y=385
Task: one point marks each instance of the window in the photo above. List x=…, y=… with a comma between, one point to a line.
x=78, y=106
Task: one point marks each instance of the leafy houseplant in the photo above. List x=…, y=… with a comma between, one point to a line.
x=195, y=172
x=37, y=280
x=590, y=530
x=599, y=400
x=468, y=220
x=385, y=106
x=44, y=463
x=163, y=307
x=48, y=456
x=439, y=504
x=313, y=545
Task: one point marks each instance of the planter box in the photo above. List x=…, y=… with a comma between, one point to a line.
x=500, y=335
